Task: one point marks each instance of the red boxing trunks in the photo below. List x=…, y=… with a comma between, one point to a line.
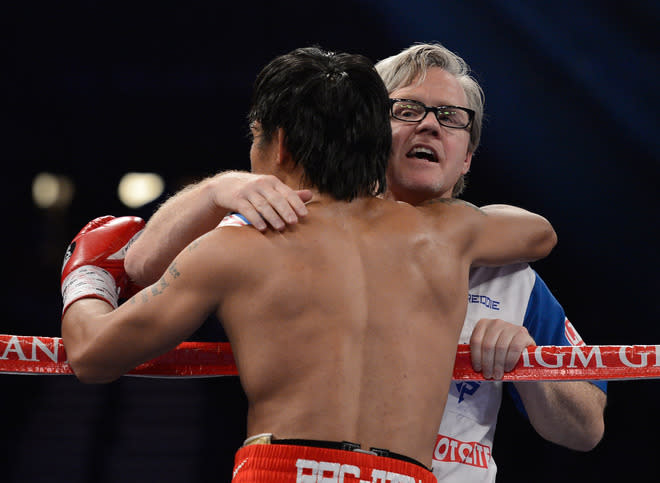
x=280, y=463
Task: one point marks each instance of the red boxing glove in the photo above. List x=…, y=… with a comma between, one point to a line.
x=94, y=261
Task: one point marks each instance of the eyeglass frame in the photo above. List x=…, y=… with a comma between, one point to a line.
x=435, y=109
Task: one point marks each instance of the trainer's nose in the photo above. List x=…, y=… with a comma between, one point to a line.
x=429, y=125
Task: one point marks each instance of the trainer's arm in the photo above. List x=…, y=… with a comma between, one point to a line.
x=198, y=208
x=568, y=413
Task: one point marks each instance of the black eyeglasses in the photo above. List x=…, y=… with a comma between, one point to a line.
x=414, y=111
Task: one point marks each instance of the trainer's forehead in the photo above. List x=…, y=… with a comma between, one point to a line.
x=436, y=87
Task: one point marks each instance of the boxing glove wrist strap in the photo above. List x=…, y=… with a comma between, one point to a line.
x=89, y=281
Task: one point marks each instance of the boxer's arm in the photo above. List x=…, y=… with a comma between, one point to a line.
x=494, y=235
x=197, y=209
x=102, y=344
x=508, y=234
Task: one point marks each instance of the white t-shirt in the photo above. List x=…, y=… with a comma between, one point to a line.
x=516, y=294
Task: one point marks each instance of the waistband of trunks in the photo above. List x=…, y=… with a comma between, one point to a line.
x=268, y=438
x=283, y=463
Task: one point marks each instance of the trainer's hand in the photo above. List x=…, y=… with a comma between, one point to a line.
x=93, y=265
x=496, y=347
x=262, y=199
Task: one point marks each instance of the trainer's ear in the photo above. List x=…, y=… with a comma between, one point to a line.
x=283, y=154
x=467, y=163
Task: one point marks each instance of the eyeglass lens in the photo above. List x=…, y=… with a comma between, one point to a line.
x=413, y=111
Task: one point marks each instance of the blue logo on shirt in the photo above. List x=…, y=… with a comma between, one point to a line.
x=485, y=300
x=468, y=388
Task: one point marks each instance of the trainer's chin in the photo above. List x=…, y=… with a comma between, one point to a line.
x=417, y=189
x=423, y=174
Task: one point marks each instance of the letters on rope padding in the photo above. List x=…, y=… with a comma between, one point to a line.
x=46, y=355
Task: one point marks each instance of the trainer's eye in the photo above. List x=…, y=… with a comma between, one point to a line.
x=408, y=111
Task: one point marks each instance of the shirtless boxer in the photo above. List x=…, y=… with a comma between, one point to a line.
x=329, y=345
x=523, y=312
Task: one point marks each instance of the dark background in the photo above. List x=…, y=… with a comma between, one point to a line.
x=95, y=89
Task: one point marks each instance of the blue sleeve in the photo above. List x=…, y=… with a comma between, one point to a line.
x=545, y=321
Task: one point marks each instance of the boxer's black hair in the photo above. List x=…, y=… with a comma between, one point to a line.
x=334, y=111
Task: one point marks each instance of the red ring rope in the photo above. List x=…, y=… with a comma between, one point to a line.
x=46, y=355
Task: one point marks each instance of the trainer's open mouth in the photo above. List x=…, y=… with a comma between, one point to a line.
x=421, y=152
